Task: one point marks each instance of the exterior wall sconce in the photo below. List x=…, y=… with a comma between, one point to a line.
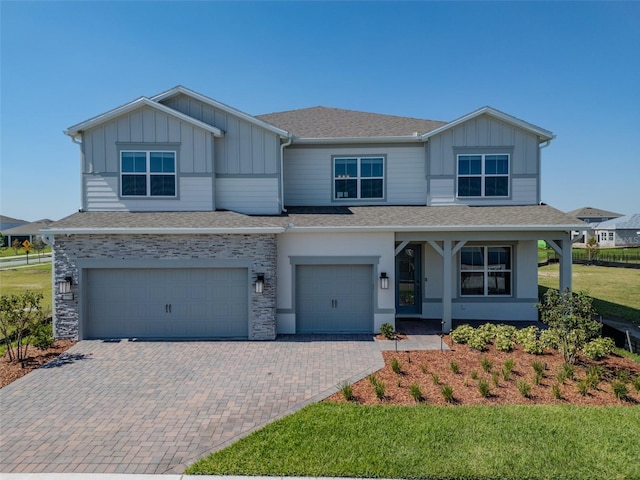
x=260, y=283
x=384, y=281
x=64, y=288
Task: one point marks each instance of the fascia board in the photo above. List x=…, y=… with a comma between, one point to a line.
x=160, y=231
x=544, y=135
x=342, y=140
x=142, y=101
x=226, y=108
x=435, y=228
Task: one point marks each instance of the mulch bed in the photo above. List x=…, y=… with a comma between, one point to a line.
x=418, y=367
x=10, y=372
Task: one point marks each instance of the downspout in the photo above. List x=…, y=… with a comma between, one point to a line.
x=282, y=147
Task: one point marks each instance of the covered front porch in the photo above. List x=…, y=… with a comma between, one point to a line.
x=467, y=275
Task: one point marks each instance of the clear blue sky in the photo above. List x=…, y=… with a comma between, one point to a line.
x=572, y=68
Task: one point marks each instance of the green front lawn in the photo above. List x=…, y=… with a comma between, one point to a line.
x=615, y=291
x=506, y=442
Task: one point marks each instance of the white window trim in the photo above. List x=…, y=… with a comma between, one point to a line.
x=483, y=176
x=358, y=177
x=485, y=270
x=148, y=174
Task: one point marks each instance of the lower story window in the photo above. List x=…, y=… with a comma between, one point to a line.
x=485, y=271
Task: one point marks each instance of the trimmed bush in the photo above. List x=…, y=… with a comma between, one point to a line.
x=386, y=330
x=462, y=333
x=598, y=348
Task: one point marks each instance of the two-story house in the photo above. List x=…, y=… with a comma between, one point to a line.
x=201, y=221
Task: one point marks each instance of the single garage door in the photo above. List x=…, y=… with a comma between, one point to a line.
x=334, y=299
x=166, y=303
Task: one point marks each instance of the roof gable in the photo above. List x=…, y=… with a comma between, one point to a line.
x=628, y=222
x=75, y=130
x=590, y=212
x=544, y=135
x=180, y=90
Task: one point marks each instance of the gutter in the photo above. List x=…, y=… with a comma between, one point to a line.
x=161, y=231
x=282, y=147
x=435, y=228
x=368, y=140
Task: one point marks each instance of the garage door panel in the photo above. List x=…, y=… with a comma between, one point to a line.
x=334, y=299
x=167, y=303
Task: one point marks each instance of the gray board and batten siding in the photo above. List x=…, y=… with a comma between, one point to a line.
x=246, y=149
x=484, y=134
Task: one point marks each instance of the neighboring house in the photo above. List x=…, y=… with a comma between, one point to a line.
x=201, y=221
x=592, y=216
x=7, y=223
x=619, y=232
x=27, y=231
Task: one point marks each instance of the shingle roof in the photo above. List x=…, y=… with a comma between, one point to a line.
x=28, y=228
x=325, y=122
x=418, y=218
x=590, y=212
x=628, y=222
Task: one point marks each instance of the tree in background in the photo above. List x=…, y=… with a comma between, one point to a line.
x=2, y=247
x=592, y=248
x=16, y=245
x=38, y=245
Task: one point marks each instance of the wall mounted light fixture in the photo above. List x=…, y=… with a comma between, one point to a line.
x=259, y=282
x=384, y=281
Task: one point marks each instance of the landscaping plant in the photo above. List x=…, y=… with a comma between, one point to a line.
x=20, y=316
x=386, y=330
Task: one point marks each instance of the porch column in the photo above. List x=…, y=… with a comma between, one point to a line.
x=446, y=285
x=566, y=261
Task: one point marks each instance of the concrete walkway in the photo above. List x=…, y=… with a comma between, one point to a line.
x=156, y=407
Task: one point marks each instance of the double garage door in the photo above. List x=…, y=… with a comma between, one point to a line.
x=166, y=303
x=334, y=299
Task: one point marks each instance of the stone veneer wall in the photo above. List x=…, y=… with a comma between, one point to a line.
x=260, y=249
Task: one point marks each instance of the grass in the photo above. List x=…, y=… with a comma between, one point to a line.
x=36, y=278
x=615, y=291
x=10, y=252
x=425, y=441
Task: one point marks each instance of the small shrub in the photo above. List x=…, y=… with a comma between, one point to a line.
x=623, y=375
x=495, y=378
x=506, y=373
x=435, y=378
x=461, y=334
x=594, y=375
x=549, y=338
x=454, y=367
x=556, y=391
x=538, y=367
x=533, y=347
x=505, y=330
x=509, y=363
x=347, y=391
x=527, y=334
x=42, y=336
x=487, y=331
x=423, y=368
x=477, y=342
x=395, y=365
x=598, y=348
x=524, y=388
x=583, y=386
x=386, y=330
x=380, y=389
x=486, y=364
x=504, y=343
x=636, y=383
x=474, y=374
x=537, y=378
x=620, y=389
x=567, y=371
x=483, y=387
x=373, y=380
x=447, y=393
x=416, y=393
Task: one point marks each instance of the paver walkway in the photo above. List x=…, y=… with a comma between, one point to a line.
x=155, y=407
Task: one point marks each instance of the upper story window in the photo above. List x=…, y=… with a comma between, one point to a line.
x=485, y=271
x=148, y=174
x=485, y=175
x=358, y=178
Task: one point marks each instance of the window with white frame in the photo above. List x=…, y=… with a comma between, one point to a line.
x=603, y=236
x=358, y=178
x=147, y=174
x=485, y=271
x=483, y=175
x=611, y=236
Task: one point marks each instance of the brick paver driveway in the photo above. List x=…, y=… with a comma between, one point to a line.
x=155, y=407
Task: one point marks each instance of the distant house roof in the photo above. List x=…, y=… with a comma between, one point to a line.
x=628, y=222
x=9, y=222
x=590, y=212
x=327, y=122
x=384, y=218
x=32, y=228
